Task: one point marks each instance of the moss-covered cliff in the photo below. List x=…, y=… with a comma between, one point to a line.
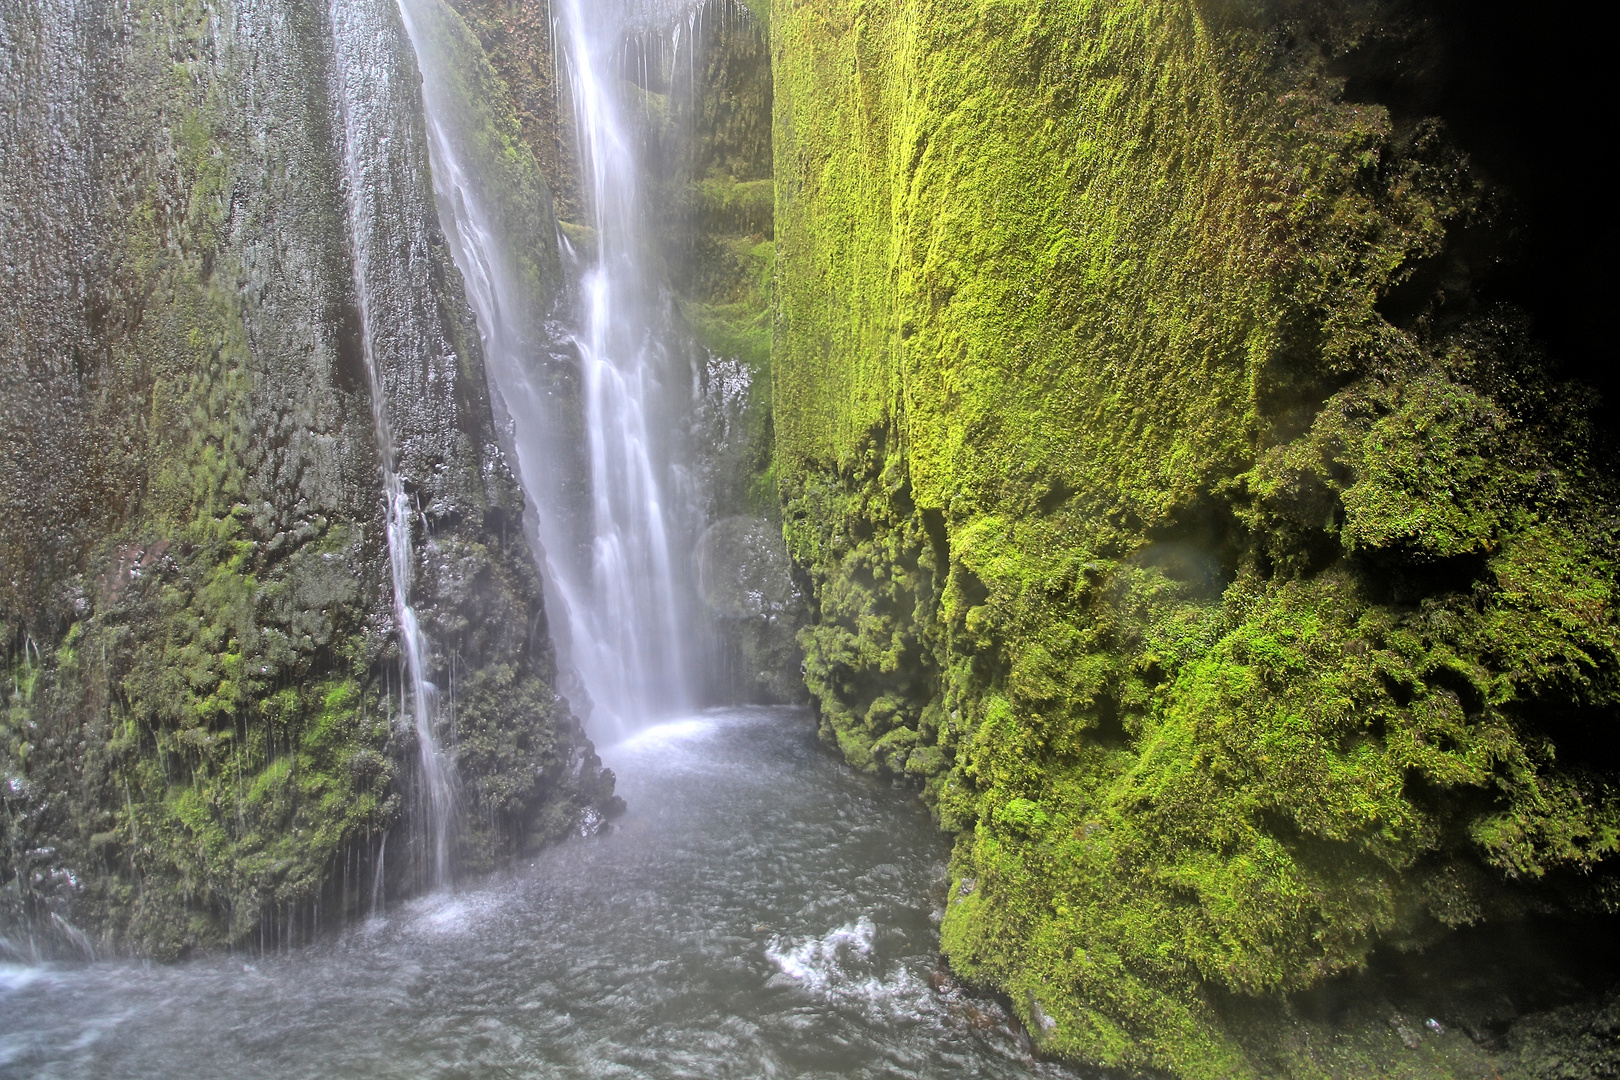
x=201, y=738
x=527, y=92
x=1240, y=590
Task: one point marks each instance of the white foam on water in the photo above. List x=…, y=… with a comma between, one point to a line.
x=14, y=977
x=666, y=734
x=819, y=963
x=841, y=967
x=448, y=917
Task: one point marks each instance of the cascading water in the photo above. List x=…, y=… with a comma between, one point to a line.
x=635, y=655
x=356, y=80
x=612, y=562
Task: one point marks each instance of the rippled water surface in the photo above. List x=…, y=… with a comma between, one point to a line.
x=760, y=911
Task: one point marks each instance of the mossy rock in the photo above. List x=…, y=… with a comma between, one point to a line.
x=1234, y=627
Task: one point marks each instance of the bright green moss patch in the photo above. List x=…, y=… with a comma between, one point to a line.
x=263, y=814
x=1234, y=628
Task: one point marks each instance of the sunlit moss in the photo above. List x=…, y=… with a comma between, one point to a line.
x=1219, y=613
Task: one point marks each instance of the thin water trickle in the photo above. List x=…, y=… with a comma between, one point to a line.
x=378, y=877
x=355, y=97
x=760, y=910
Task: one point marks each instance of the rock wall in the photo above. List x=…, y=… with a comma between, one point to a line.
x=528, y=91
x=202, y=736
x=1237, y=585
x=719, y=242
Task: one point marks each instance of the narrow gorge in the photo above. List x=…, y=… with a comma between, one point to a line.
x=886, y=538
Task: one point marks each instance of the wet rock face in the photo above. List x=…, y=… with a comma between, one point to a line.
x=713, y=182
x=1175, y=506
x=204, y=212
x=516, y=38
x=747, y=584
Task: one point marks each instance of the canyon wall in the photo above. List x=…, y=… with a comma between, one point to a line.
x=1236, y=582
x=220, y=234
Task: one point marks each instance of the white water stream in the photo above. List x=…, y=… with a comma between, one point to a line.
x=611, y=564
x=635, y=656
x=356, y=75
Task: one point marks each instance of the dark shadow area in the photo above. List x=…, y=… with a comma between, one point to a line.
x=1482, y=979
x=1527, y=92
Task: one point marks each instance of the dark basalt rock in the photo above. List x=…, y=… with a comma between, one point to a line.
x=201, y=741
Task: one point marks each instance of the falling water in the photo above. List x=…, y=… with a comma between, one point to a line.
x=377, y=877
x=636, y=638
x=357, y=93
x=613, y=572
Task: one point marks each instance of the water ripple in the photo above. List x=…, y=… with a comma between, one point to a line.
x=760, y=911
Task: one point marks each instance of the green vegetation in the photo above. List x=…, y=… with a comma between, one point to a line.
x=1233, y=627
x=718, y=238
x=514, y=42
x=197, y=749
x=198, y=739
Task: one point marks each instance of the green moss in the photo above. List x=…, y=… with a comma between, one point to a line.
x=501, y=155
x=1221, y=617
x=760, y=10
x=718, y=236
x=239, y=790
x=514, y=43
x=200, y=742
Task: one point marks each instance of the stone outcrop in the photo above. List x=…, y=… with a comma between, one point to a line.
x=202, y=740
x=1236, y=583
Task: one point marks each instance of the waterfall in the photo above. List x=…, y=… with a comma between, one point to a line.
x=360, y=85
x=635, y=654
x=609, y=540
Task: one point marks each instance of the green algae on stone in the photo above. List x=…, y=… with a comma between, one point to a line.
x=1234, y=628
x=198, y=741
